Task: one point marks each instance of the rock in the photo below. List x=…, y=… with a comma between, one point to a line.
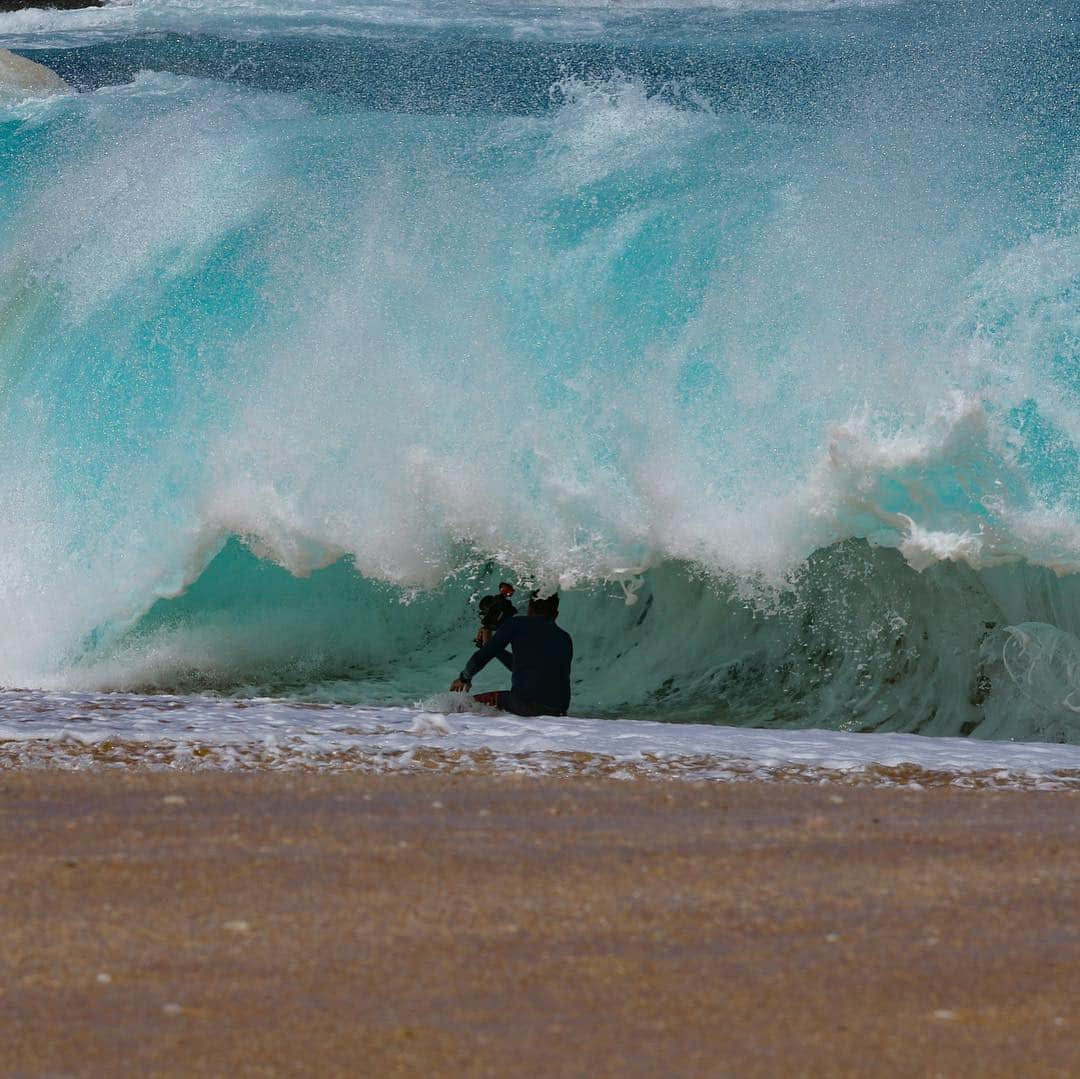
x=65, y=5
x=24, y=77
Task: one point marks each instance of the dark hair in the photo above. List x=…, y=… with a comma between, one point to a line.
x=545, y=608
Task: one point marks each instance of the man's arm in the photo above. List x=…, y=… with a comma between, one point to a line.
x=483, y=656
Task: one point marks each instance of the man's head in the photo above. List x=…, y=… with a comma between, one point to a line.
x=547, y=607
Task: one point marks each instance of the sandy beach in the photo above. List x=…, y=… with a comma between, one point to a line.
x=178, y=924
x=732, y=344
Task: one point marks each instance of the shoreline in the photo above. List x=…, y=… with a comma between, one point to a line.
x=276, y=924
x=82, y=730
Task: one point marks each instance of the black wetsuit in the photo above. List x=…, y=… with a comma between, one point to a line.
x=540, y=665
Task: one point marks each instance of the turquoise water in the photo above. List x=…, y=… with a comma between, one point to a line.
x=316, y=321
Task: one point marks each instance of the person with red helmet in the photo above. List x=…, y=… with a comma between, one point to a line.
x=494, y=610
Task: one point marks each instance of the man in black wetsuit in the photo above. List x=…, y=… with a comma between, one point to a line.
x=539, y=665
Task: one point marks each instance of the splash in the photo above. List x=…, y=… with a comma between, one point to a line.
x=305, y=334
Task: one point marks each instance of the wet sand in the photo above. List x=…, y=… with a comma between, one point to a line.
x=208, y=924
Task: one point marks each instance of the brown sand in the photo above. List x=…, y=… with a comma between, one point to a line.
x=421, y=925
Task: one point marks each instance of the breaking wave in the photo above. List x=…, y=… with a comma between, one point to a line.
x=761, y=345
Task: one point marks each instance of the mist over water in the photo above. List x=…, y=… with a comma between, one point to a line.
x=317, y=321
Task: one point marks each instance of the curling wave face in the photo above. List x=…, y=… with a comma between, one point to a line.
x=686, y=304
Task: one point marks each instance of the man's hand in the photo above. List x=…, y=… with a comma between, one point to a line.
x=459, y=685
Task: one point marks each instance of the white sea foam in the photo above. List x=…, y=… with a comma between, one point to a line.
x=79, y=731
x=44, y=28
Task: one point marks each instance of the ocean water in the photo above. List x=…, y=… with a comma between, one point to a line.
x=751, y=325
